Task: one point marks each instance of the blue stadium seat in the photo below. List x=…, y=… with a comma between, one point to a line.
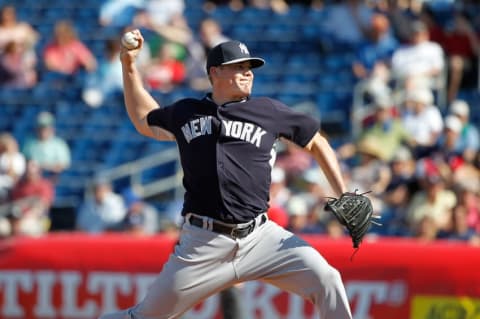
x=296, y=12
x=246, y=32
x=254, y=15
x=224, y=15
x=9, y=96
x=325, y=101
x=280, y=32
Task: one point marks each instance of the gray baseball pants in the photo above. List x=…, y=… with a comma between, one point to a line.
x=204, y=263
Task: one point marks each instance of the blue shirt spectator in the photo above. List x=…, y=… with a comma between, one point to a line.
x=379, y=47
x=107, y=79
x=101, y=211
x=469, y=140
x=119, y=13
x=50, y=151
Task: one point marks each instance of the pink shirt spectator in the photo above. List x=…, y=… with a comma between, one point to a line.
x=473, y=218
x=13, y=30
x=293, y=160
x=66, y=53
x=470, y=199
x=35, y=186
x=67, y=58
x=18, y=65
x=32, y=198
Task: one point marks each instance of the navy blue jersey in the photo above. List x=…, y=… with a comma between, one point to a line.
x=226, y=150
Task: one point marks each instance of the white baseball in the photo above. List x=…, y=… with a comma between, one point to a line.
x=130, y=41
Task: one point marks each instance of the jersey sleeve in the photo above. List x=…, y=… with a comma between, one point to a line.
x=293, y=125
x=162, y=117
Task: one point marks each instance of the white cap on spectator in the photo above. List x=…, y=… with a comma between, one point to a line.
x=45, y=119
x=383, y=101
x=453, y=123
x=422, y=95
x=278, y=175
x=460, y=108
x=297, y=206
x=402, y=154
x=315, y=176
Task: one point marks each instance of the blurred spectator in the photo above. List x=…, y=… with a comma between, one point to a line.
x=66, y=54
x=469, y=140
x=210, y=34
x=450, y=148
x=176, y=31
x=279, y=196
x=283, y=6
x=449, y=140
x=434, y=200
x=13, y=30
x=395, y=206
x=435, y=27
x=384, y=127
x=372, y=58
x=470, y=7
x=459, y=228
x=142, y=217
x=163, y=21
x=157, y=13
x=398, y=193
x=316, y=183
x=196, y=46
x=292, y=159
x=119, y=13
x=462, y=47
x=422, y=120
x=348, y=22
x=165, y=71
x=334, y=229
x=50, y=151
x=235, y=5
x=278, y=6
x=31, y=200
x=468, y=194
x=279, y=191
x=400, y=16
x=465, y=176
x=419, y=63
x=107, y=78
x=17, y=66
x=12, y=164
x=102, y=209
x=314, y=189
x=372, y=173
x=5, y=227
x=403, y=169
x=426, y=229
x=298, y=210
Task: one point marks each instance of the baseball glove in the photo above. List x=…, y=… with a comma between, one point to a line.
x=355, y=212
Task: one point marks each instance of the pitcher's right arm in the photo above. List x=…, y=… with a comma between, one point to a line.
x=138, y=101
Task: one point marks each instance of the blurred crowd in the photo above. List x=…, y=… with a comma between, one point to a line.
x=415, y=146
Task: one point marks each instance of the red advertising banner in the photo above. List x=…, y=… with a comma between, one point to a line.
x=77, y=276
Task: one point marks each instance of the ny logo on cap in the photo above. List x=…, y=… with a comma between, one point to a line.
x=243, y=48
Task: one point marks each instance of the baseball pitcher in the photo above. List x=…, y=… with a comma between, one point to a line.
x=225, y=142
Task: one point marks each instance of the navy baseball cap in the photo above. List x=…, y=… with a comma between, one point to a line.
x=231, y=52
